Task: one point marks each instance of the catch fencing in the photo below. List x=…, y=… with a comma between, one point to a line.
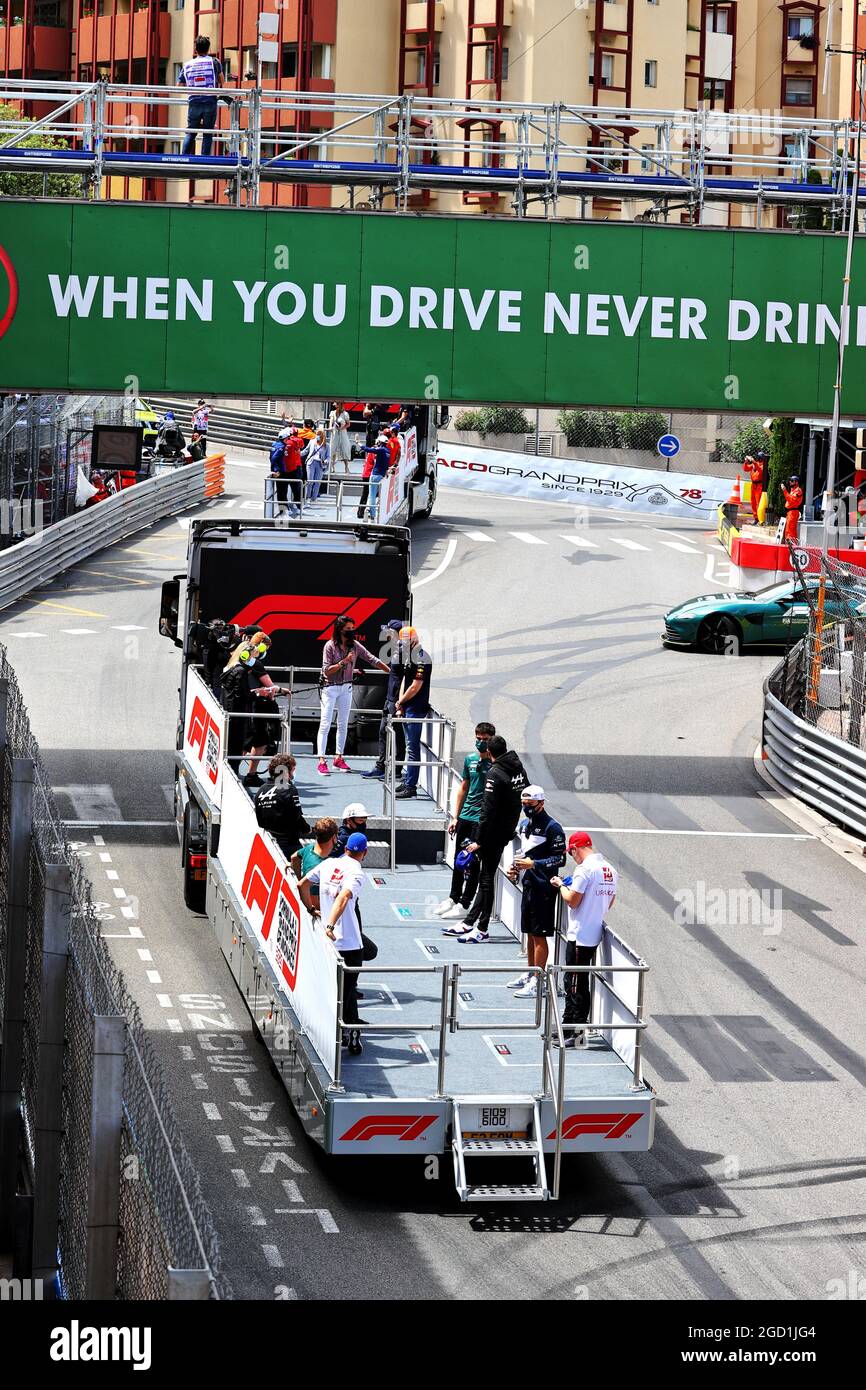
x=44, y=440
x=98, y=1196
x=814, y=739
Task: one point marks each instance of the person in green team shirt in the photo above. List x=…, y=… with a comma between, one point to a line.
x=311, y=856
x=464, y=825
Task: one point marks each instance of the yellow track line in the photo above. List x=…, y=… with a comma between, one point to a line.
x=67, y=608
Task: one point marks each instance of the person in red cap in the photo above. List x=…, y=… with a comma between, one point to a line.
x=588, y=895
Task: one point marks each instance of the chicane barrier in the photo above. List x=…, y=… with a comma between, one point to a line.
x=48, y=553
x=811, y=764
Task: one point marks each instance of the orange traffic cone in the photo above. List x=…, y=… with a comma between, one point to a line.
x=735, y=499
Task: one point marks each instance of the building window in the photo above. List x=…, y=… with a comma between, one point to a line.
x=652, y=2
x=801, y=26
x=422, y=68
x=798, y=91
x=322, y=55
x=647, y=164
x=607, y=69
x=592, y=65
x=227, y=58
x=718, y=17
x=650, y=72
x=714, y=91
x=178, y=4
x=269, y=72
x=289, y=64
x=490, y=63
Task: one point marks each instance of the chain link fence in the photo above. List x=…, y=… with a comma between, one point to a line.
x=160, y=1222
x=824, y=676
x=44, y=439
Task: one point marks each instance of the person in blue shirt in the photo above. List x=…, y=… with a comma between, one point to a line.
x=203, y=75
x=381, y=465
x=541, y=856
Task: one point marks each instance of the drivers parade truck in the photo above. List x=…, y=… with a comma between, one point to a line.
x=451, y=1062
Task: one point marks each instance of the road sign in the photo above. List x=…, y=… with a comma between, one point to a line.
x=668, y=446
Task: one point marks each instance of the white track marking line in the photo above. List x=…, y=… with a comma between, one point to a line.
x=240, y=1177
x=112, y=873
x=446, y=561
x=273, y=1256
x=154, y=977
x=79, y=631
x=684, y=549
x=582, y=542
x=127, y=627
x=24, y=634
x=326, y=1220
x=174, y=1025
x=627, y=544
x=145, y=955
x=527, y=538
x=720, y=834
x=480, y=537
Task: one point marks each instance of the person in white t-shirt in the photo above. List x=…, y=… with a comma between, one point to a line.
x=340, y=882
x=588, y=895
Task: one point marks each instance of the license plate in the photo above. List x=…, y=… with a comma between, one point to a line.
x=494, y=1117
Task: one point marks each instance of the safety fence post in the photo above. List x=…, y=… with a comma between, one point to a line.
x=49, y=1090
x=18, y=817
x=103, y=1178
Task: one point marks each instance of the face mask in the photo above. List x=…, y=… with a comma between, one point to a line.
x=481, y=745
x=360, y=825
x=530, y=809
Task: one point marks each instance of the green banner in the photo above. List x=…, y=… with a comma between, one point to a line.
x=107, y=297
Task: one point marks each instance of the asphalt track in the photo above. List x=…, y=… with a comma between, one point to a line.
x=755, y=1185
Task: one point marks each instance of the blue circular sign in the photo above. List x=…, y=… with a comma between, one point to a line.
x=668, y=446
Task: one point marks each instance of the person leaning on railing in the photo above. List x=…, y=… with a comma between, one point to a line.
x=588, y=894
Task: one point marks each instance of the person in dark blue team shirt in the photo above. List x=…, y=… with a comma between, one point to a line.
x=541, y=856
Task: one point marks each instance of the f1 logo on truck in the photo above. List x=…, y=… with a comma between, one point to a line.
x=264, y=887
x=204, y=734
x=404, y=1127
x=610, y=1126
x=304, y=612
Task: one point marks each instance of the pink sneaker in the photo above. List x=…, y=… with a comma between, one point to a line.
x=322, y=769
x=341, y=765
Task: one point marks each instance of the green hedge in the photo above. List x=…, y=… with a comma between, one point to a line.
x=613, y=429
x=493, y=419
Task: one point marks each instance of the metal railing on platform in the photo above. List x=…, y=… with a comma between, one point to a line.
x=396, y=145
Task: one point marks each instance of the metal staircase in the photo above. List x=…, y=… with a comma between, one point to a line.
x=480, y=1145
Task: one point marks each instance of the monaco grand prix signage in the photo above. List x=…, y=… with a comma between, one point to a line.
x=113, y=297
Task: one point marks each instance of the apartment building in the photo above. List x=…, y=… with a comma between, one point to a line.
x=750, y=57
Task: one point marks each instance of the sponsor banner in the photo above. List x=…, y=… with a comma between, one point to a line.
x=304, y=960
x=394, y=487
x=204, y=738
x=378, y=306
x=638, y=490
x=601, y=1126
x=386, y=1126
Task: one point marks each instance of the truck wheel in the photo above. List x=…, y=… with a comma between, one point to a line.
x=194, y=863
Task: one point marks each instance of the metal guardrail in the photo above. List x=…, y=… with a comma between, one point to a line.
x=48, y=553
x=813, y=765
x=394, y=145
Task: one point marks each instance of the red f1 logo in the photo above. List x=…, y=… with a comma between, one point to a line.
x=201, y=726
x=262, y=883
x=403, y=1127
x=610, y=1126
x=304, y=612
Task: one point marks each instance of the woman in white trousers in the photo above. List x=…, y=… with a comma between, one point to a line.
x=339, y=660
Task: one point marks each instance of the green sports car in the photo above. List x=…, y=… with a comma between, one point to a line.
x=769, y=617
